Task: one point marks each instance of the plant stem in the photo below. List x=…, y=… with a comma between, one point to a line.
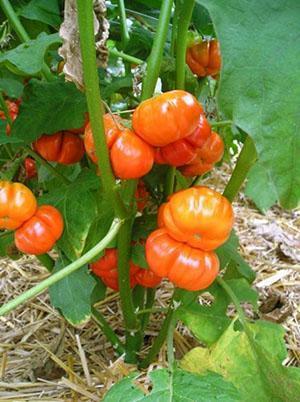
x=21, y=32
x=150, y=297
x=47, y=261
x=91, y=81
x=132, y=324
x=234, y=299
x=161, y=337
x=138, y=295
x=124, y=28
x=69, y=269
x=125, y=56
x=222, y=123
x=47, y=165
x=185, y=14
x=156, y=55
x=108, y=331
x=170, y=344
x=246, y=159
x=174, y=29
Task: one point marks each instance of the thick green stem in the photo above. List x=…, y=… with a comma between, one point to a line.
x=91, y=81
x=236, y=303
x=132, y=324
x=150, y=297
x=47, y=165
x=170, y=344
x=69, y=269
x=155, y=58
x=124, y=28
x=245, y=161
x=174, y=29
x=108, y=331
x=125, y=56
x=47, y=261
x=21, y=32
x=161, y=337
x=222, y=123
x=138, y=296
x=185, y=14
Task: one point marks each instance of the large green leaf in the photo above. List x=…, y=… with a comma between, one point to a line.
x=209, y=322
x=48, y=107
x=28, y=58
x=260, y=86
x=178, y=386
x=42, y=10
x=73, y=295
x=253, y=366
x=78, y=204
x=231, y=259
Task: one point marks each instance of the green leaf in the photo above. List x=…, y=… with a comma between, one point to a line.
x=143, y=226
x=12, y=88
x=99, y=291
x=259, y=89
x=28, y=58
x=43, y=11
x=209, y=322
x=72, y=295
x=48, y=107
x=101, y=224
x=253, y=366
x=259, y=178
x=138, y=255
x=228, y=254
x=174, y=387
x=78, y=204
x=7, y=246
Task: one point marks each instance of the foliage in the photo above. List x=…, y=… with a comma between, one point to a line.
x=255, y=95
x=175, y=386
x=253, y=365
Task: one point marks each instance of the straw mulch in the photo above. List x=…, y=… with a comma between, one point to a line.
x=43, y=358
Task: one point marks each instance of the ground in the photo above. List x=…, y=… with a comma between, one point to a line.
x=43, y=358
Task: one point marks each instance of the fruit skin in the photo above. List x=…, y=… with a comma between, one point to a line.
x=17, y=204
x=199, y=216
x=184, y=151
x=63, y=147
x=112, y=127
x=213, y=149
x=186, y=267
x=196, y=168
x=30, y=168
x=204, y=58
x=39, y=234
x=211, y=152
x=167, y=118
x=13, y=109
x=131, y=157
x=201, y=133
x=147, y=278
x=106, y=268
x=178, y=153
